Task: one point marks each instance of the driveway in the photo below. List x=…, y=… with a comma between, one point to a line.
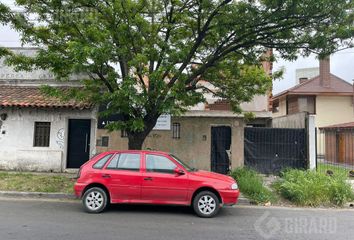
x=29, y=219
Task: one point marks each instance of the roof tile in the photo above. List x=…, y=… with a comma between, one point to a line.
x=25, y=96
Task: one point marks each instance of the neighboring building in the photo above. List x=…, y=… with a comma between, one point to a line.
x=201, y=138
x=327, y=96
x=41, y=133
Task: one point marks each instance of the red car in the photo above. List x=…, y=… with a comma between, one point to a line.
x=150, y=177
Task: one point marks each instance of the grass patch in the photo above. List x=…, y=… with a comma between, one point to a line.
x=251, y=185
x=337, y=170
x=28, y=182
x=311, y=188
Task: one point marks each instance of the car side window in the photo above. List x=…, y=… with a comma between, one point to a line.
x=114, y=162
x=161, y=164
x=125, y=161
x=100, y=163
x=129, y=161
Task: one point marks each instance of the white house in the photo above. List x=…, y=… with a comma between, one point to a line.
x=41, y=133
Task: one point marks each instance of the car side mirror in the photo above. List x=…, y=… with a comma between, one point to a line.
x=179, y=171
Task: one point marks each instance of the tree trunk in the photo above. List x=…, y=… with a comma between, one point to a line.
x=136, y=140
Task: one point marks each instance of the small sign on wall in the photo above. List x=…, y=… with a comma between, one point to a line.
x=163, y=122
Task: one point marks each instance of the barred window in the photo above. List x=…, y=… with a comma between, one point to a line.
x=41, y=134
x=103, y=141
x=176, y=130
x=123, y=134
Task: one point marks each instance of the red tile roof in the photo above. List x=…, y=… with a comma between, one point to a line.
x=24, y=96
x=342, y=125
x=313, y=87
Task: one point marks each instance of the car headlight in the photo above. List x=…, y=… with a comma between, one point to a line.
x=234, y=186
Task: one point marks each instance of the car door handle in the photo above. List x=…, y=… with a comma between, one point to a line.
x=148, y=179
x=106, y=176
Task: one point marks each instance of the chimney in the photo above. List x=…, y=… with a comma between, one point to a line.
x=325, y=72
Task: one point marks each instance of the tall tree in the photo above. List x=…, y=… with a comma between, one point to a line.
x=147, y=57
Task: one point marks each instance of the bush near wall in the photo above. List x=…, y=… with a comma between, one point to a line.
x=252, y=186
x=311, y=188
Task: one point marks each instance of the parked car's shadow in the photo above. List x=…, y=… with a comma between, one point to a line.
x=156, y=209
x=142, y=208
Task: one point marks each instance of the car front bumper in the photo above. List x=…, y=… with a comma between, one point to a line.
x=229, y=197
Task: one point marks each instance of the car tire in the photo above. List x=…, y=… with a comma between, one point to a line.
x=95, y=200
x=206, y=204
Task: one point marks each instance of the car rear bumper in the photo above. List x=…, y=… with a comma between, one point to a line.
x=78, y=189
x=229, y=197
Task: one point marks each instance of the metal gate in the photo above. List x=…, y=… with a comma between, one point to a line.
x=270, y=150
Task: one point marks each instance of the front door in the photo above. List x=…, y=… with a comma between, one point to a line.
x=78, y=142
x=220, y=149
x=160, y=182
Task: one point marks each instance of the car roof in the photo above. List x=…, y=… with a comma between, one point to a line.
x=137, y=151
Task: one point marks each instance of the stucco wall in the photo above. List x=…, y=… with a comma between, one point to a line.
x=333, y=110
x=258, y=103
x=191, y=147
x=296, y=120
x=17, y=133
x=329, y=110
x=282, y=108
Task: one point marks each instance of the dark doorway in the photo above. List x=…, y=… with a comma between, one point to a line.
x=78, y=142
x=220, y=146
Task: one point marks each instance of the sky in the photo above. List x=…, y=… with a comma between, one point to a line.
x=342, y=63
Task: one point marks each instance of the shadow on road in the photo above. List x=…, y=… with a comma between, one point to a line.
x=137, y=208
x=157, y=209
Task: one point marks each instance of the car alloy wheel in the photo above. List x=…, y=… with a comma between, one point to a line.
x=95, y=200
x=206, y=204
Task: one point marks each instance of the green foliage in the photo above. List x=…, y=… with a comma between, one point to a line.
x=336, y=169
x=249, y=116
x=310, y=188
x=148, y=57
x=251, y=185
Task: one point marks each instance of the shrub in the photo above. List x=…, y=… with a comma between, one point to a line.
x=251, y=185
x=311, y=188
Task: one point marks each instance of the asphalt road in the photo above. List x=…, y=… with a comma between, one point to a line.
x=47, y=220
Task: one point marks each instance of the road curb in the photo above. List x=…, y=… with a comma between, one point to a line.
x=37, y=195
x=243, y=201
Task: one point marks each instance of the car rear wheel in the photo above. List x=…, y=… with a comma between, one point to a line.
x=95, y=200
x=206, y=204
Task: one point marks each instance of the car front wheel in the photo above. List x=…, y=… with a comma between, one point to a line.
x=95, y=200
x=206, y=204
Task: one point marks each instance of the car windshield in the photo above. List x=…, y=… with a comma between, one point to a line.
x=188, y=168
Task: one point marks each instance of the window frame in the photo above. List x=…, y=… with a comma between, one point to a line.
x=160, y=155
x=109, y=158
x=35, y=132
x=176, y=130
x=123, y=169
x=123, y=133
